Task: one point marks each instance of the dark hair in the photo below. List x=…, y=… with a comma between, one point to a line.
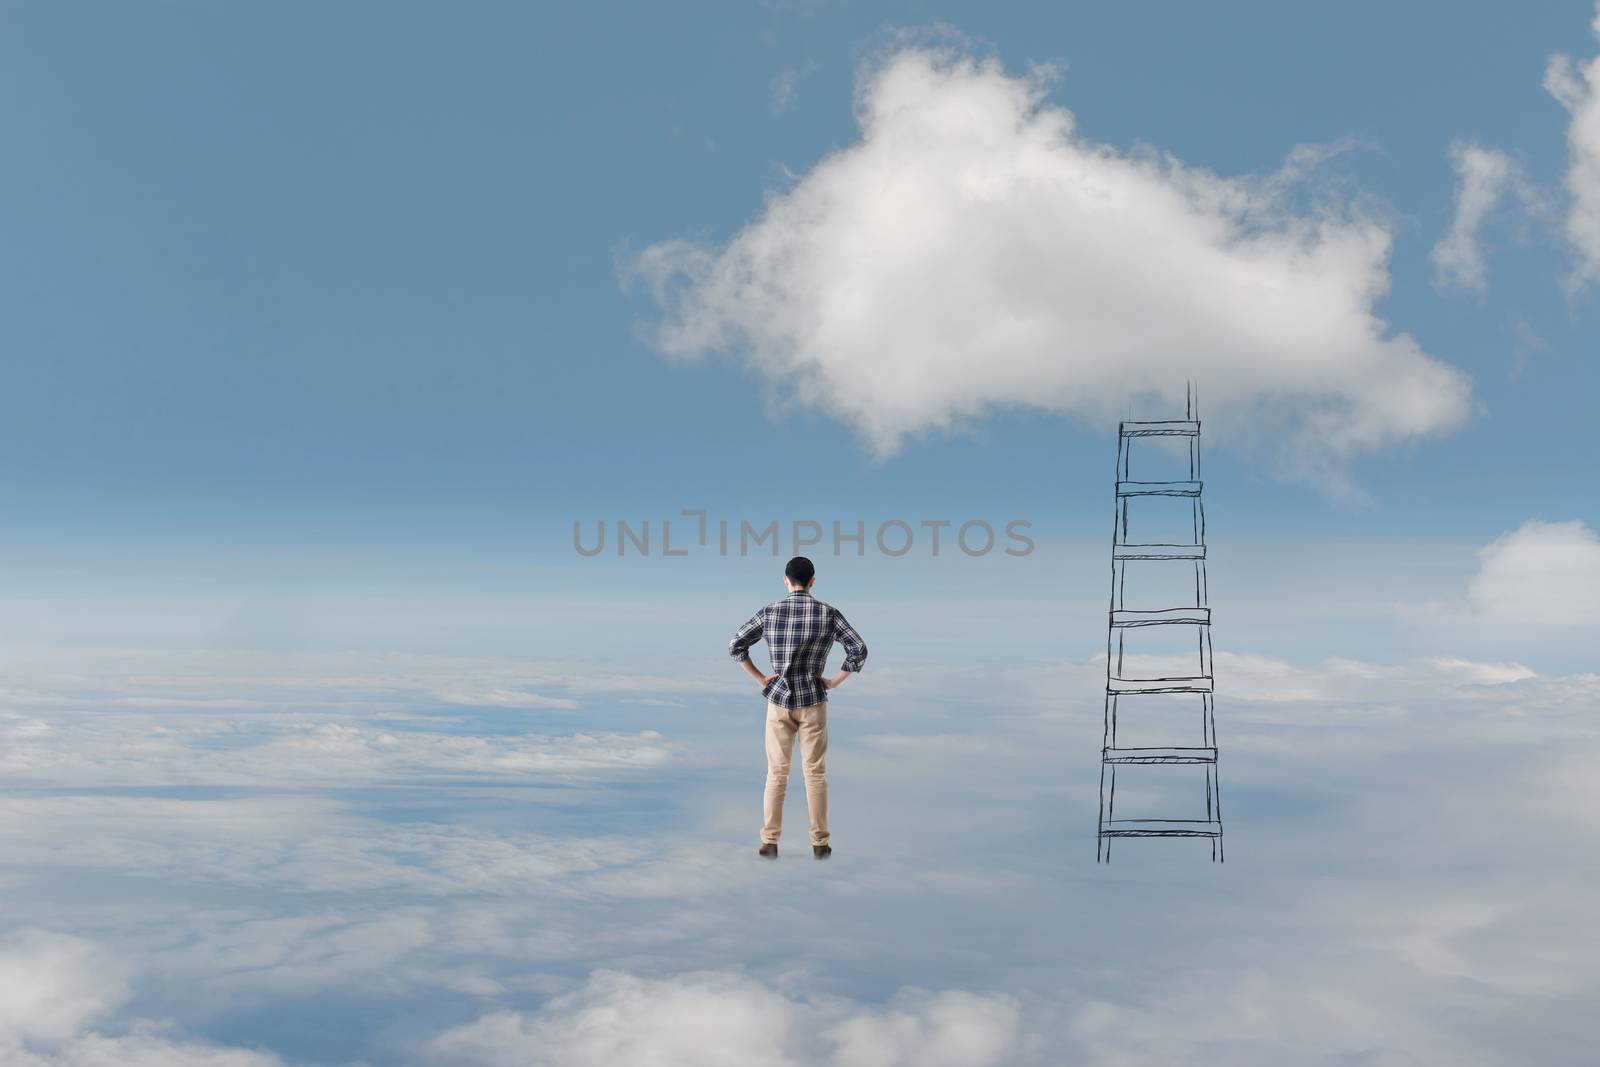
x=800, y=571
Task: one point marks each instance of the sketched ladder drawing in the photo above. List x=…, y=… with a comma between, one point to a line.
x=1126, y=553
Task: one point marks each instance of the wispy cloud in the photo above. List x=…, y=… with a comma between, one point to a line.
x=1574, y=84
x=145, y=748
x=786, y=85
x=1484, y=178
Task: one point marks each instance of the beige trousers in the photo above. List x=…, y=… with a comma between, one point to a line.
x=811, y=723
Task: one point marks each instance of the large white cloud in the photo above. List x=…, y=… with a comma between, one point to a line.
x=972, y=252
x=1574, y=84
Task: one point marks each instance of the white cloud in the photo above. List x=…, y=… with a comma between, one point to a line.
x=1542, y=573
x=1536, y=588
x=1484, y=177
x=1480, y=673
x=617, y=1020
x=52, y=985
x=723, y=1019
x=1574, y=85
x=972, y=252
x=57, y=991
x=951, y=1029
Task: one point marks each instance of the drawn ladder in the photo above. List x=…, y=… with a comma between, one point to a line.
x=1126, y=552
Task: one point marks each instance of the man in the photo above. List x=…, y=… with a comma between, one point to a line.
x=800, y=631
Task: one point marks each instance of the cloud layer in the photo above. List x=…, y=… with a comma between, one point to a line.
x=972, y=252
x=522, y=917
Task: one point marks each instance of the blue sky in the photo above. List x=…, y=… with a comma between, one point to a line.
x=251, y=303
x=321, y=327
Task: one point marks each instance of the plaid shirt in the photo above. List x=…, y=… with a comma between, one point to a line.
x=800, y=631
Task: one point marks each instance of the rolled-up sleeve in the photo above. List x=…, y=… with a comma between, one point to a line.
x=855, y=649
x=747, y=635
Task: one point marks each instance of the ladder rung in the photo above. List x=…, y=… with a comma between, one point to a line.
x=1158, y=551
x=1165, y=617
x=1161, y=429
x=1161, y=828
x=1160, y=755
x=1158, y=488
x=1118, y=686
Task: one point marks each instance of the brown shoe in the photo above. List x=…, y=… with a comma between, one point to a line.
x=770, y=850
x=822, y=852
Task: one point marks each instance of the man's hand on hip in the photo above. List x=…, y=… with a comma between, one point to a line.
x=755, y=672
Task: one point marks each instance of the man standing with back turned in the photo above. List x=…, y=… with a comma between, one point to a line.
x=800, y=632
